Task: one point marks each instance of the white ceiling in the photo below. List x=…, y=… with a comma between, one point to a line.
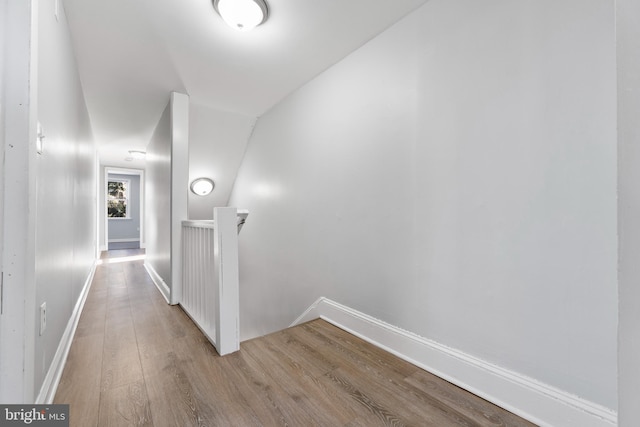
x=132, y=53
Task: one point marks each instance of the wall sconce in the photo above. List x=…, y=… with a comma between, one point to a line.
x=242, y=15
x=202, y=186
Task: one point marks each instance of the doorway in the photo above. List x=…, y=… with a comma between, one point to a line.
x=123, y=208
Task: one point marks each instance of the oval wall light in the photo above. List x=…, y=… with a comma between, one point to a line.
x=242, y=15
x=202, y=186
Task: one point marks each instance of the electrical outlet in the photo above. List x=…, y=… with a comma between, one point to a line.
x=43, y=317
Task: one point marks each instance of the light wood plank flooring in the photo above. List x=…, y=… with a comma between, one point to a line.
x=136, y=361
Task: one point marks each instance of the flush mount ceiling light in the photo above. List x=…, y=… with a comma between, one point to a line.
x=137, y=154
x=202, y=186
x=243, y=15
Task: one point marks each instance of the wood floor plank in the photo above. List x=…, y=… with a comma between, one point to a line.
x=276, y=393
x=137, y=361
x=92, y=319
x=173, y=401
x=368, y=353
x=240, y=389
x=304, y=389
x=80, y=381
x=308, y=365
x=210, y=375
x=240, y=379
x=120, y=365
x=380, y=411
x=463, y=402
x=469, y=408
x=313, y=361
x=126, y=405
x=384, y=387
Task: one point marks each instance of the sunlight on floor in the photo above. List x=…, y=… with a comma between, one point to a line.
x=121, y=259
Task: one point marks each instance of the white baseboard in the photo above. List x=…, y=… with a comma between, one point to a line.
x=160, y=284
x=52, y=379
x=537, y=402
x=123, y=240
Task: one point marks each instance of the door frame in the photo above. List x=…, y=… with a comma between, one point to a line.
x=122, y=171
x=18, y=78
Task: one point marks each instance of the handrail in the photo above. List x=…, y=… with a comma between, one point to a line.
x=210, y=276
x=203, y=223
x=242, y=215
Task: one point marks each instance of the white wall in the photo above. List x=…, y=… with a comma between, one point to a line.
x=66, y=181
x=3, y=38
x=18, y=127
x=166, y=204
x=158, y=198
x=217, y=142
x=628, y=34
x=179, y=186
x=455, y=177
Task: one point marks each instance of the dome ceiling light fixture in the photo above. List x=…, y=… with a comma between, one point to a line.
x=137, y=154
x=242, y=15
x=202, y=186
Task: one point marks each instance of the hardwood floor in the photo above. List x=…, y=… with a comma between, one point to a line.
x=136, y=361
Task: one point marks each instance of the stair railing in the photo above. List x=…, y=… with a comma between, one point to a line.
x=210, y=277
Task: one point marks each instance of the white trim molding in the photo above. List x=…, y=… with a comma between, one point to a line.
x=124, y=240
x=157, y=280
x=179, y=187
x=102, y=203
x=52, y=379
x=537, y=402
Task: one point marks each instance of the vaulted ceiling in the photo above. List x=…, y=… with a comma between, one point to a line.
x=132, y=53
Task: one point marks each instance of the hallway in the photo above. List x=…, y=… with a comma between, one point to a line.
x=456, y=180
x=137, y=361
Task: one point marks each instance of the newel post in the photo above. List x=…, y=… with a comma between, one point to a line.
x=227, y=274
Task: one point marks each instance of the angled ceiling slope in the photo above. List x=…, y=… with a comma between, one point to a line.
x=132, y=53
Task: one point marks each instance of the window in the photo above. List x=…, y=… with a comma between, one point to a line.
x=117, y=199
